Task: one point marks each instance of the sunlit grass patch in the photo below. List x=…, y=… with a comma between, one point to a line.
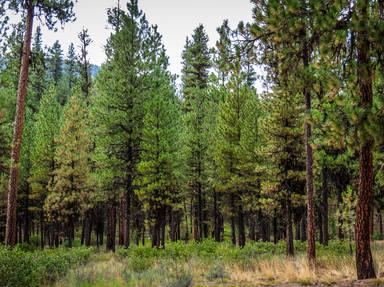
x=220, y=264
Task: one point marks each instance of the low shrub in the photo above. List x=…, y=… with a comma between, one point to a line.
x=20, y=268
x=139, y=265
x=182, y=280
x=378, y=236
x=217, y=272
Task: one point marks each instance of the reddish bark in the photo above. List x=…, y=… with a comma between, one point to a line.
x=11, y=232
x=364, y=261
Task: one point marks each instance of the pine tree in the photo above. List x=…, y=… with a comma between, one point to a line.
x=286, y=154
x=24, y=204
x=123, y=86
x=43, y=162
x=224, y=52
x=293, y=49
x=196, y=64
x=159, y=161
x=71, y=74
x=55, y=63
x=351, y=30
x=84, y=64
x=69, y=190
x=235, y=115
x=51, y=13
x=37, y=80
x=10, y=63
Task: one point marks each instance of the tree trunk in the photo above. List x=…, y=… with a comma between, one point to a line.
x=233, y=224
x=10, y=237
x=303, y=228
x=325, y=208
x=311, y=253
x=297, y=230
x=289, y=239
x=127, y=233
x=241, y=225
x=252, y=227
x=195, y=218
x=186, y=222
x=26, y=216
x=319, y=223
x=111, y=227
x=216, y=214
x=121, y=220
x=68, y=233
x=205, y=217
x=82, y=232
x=200, y=209
x=42, y=229
x=364, y=261
x=340, y=233
x=88, y=228
x=275, y=236
x=156, y=230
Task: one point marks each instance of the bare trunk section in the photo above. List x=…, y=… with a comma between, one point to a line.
x=364, y=261
x=10, y=237
x=233, y=223
x=241, y=225
x=311, y=253
x=325, y=207
x=26, y=216
x=216, y=216
x=111, y=226
x=289, y=239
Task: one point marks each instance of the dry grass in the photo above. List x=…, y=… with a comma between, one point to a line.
x=111, y=270
x=280, y=270
x=329, y=270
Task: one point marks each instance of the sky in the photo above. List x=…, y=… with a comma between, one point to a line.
x=176, y=19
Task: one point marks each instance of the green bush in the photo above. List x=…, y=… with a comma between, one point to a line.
x=378, y=236
x=16, y=269
x=217, y=271
x=182, y=280
x=209, y=251
x=21, y=268
x=140, y=265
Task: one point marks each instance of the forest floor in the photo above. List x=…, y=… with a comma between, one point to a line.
x=219, y=265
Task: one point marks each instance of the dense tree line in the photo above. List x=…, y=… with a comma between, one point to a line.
x=126, y=155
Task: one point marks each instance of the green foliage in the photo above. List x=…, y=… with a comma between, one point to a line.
x=43, y=145
x=51, y=12
x=84, y=64
x=19, y=268
x=123, y=87
x=216, y=272
x=69, y=196
x=159, y=166
x=37, y=76
x=237, y=135
x=55, y=63
x=140, y=264
x=347, y=212
x=212, y=251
